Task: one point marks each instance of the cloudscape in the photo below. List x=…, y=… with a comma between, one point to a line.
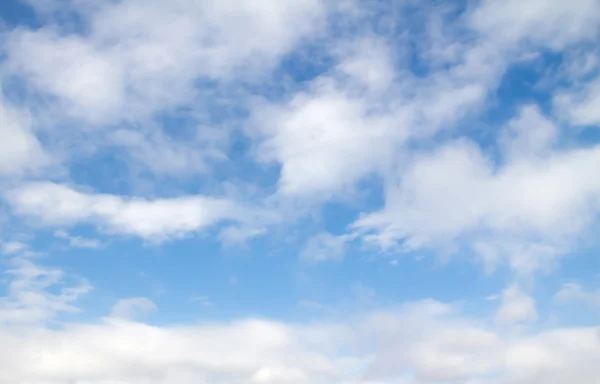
x=299, y=191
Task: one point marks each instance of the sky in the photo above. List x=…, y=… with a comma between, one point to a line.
x=307, y=191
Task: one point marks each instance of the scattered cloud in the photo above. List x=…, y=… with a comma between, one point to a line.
x=154, y=220
x=460, y=131
x=202, y=300
x=129, y=308
x=424, y=341
x=12, y=247
x=325, y=247
x=77, y=241
x=574, y=292
x=458, y=193
x=516, y=307
x=29, y=299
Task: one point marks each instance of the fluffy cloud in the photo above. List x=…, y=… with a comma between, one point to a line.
x=20, y=150
x=142, y=57
x=169, y=85
x=424, y=342
x=517, y=307
x=135, y=62
x=155, y=220
x=421, y=342
x=518, y=208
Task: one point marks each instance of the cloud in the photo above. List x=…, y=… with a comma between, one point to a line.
x=426, y=342
x=114, y=81
x=525, y=209
x=516, y=307
x=28, y=299
x=574, y=292
x=322, y=141
x=12, y=247
x=77, y=241
x=542, y=22
x=20, y=150
x=579, y=105
x=324, y=247
x=150, y=62
x=154, y=220
x=349, y=124
x=394, y=109
x=129, y=308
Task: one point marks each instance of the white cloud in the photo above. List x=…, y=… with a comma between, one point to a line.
x=365, y=116
x=77, y=241
x=574, y=292
x=20, y=150
x=129, y=308
x=549, y=23
x=350, y=123
x=580, y=104
x=516, y=307
x=12, y=247
x=424, y=342
x=154, y=220
x=526, y=209
x=28, y=299
x=323, y=141
x=175, y=157
x=129, y=66
x=135, y=63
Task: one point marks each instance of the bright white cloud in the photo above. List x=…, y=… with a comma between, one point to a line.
x=525, y=200
x=136, y=62
x=580, y=106
x=323, y=140
x=20, y=150
x=143, y=57
x=550, y=23
x=29, y=300
x=426, y=342
x=526, y=208
x=154, y=220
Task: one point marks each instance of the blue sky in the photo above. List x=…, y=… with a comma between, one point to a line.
x=305, y=191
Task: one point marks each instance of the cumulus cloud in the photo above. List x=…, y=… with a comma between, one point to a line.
x=203, y=88
x=135, y=65
x=155, y=220
x=11, y=247
x=20, y=150
x=424, y=342
x=517, y=209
